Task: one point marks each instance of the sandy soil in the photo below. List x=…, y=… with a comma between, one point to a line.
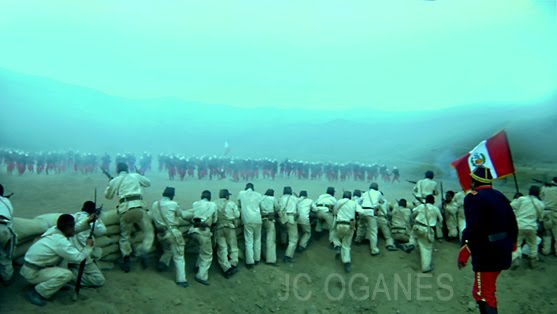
x=392, y=280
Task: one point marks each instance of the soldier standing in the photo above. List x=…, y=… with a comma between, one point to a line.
x=345, y=223
x=323, y=207
x=204, y=216
x=490, y=237
x=268, y=206
x=250, y=212
x=425, y=187
x=288, y=213
x=426, y=217
x=128, y=188
x=529, y=212
x=304, y=209
x=548, y=195
x=370, y=202
x=227, y=244
x=165, y=213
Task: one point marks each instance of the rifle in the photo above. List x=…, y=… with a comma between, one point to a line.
x=106, y=174
x=444, y=227
x=82, y=264
x=442, y=198
x=543, y=182
x=413, y=182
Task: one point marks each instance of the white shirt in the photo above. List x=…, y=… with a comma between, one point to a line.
x=124, y=185
x=528, y=211
x=268, y=204
x=425, y=187
x=371, y=200
x=401, y=218
x=288, y=203
x=430, y=211
x=304, y=207
x=206, y=211
x=249, y=206
x=165, y=213
x=227, y=211
x=323, y=199
x=346, y=209
x=52, y=247
x=80, y=238
x=549, y=197
x=6, y=208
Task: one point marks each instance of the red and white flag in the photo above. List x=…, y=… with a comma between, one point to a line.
x=493, y=153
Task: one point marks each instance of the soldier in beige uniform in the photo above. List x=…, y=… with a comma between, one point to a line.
x=425, y=187
x=227, y=244
x=288, y=215
x=370, y=202
x=454, y=213
x=128, y=188
x=452, y=206
x=165, y=213
x=345, y=222
x=204, y=217
x=548, y=195
x=92, y=275
x=250, y=212
x=426, y=217
x=8, y=238
x=268, y=205
x=383, y=215
x=323, y=207
x=528, y=211
x=42, y=260
x=401, y=226
x=304, y=209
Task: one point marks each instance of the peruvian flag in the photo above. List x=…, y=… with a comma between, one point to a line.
x=493, y=153
x=226, y=148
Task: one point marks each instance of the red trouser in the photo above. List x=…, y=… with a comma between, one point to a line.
x=484, y=287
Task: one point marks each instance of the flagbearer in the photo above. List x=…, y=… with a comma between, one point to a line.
x=490, y=237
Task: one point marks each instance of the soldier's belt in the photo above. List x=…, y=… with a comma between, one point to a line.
x=497, y=236
x=35, y=266
x=343, y=222
x=131, y=198
x=422, y=224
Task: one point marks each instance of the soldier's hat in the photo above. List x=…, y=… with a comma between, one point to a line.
x=169, y=191
x=482, y=174
x=224, y=193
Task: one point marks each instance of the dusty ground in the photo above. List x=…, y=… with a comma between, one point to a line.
x=389, y=283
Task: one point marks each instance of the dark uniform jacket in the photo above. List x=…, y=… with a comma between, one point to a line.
x=491, y=230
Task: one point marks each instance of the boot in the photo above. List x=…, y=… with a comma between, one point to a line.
x=347, y=267
x=36, y=298
x=162, y=267
x=127, y=264
x=184, y=284
x=144, y=261
x=533, y=263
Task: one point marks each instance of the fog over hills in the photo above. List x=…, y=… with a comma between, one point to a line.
x=42, y=114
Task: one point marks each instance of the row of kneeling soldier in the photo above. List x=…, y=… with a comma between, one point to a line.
x=265, y=220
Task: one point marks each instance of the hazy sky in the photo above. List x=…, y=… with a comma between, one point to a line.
x=392, y=54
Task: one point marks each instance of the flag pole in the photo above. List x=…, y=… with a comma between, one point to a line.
x=512, y=161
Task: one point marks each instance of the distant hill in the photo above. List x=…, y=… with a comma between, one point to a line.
x=39, y=113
